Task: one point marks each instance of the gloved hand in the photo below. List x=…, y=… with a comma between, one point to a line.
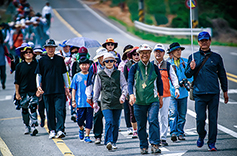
x=122, y=98
x=96, y=107
x=177, y=93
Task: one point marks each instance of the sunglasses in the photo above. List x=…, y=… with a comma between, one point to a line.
x=107, y=61
x=135, y=54
x=27, y=52
x=110, y=44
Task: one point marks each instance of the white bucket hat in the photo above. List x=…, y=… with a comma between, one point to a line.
x=108, y=56
x=144, y=47
x=100, y=52
x=160, y=47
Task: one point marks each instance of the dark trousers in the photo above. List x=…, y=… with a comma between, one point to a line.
x=55, y=105
x=98, y=123
x=210, y=102
x=41, y=110
x=127, y=113
x=3, y=74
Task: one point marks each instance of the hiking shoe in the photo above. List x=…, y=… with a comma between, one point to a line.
x=60, y=134
x=81, y=134
x=97, y=141
x=155, y=149
x=3, y=86
x=52, y=134
x=200, y=142
x=114, y=146
x=129, y=131
x=34, y=131
x=212, y=147
x=27, y=130
x=144, y=151
x=42, y=122
x=74, y=118
x=109, y=146
x=181, y=137
x=164, y=143
x=134, y=135
x=87, y=139
x=173, y=137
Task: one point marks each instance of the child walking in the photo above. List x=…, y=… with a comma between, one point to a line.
x=84, y=109
x=113, y=87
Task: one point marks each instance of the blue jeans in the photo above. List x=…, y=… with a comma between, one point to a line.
x=210, y=102
x=142, y=114
x=55, y=105
x=177, y=115
x=112, y=118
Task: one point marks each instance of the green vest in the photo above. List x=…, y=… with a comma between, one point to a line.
x=110, y=90
x=146, y=90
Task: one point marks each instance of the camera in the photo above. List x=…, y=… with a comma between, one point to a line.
x=184, y=83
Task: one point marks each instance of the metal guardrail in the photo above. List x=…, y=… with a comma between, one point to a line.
x=170, y=31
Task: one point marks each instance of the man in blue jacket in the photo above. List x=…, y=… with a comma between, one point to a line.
x=206, y=88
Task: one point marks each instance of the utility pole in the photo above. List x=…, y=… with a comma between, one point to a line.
x=141, y=10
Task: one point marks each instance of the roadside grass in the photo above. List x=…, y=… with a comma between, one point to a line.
x=162, y=38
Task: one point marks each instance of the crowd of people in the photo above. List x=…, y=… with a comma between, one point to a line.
x=153, y=91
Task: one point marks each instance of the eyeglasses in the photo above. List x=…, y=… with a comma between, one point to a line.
x=27, y=52
x=107, y=61
x=110, y=44
x=135, y=54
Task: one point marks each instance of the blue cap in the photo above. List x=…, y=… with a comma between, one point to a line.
x=63, y=44
x=204, y=35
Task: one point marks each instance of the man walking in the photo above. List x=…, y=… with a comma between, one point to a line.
x=206, y=87
x=51, y=72
x=145, y=76
x=167, y=75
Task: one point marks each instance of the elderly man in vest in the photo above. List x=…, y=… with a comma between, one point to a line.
x=167, y=75
x=145, y=77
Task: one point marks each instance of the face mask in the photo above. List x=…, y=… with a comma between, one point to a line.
x=74, y=56
x=38, y=57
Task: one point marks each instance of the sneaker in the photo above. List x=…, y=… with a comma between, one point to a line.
x=60, y=134
x=134, y=135
x=109, y=146
x=27, y=130
x=164, y=143
x=212, y=147
x=52, y=134
x=87, y=139
x=114, y=146
x=3, y=86
x=173, y=137
x=129, y=131
x=200, y=142
x=74, y=118
x=181, y=137
x=144, y=151
x=81, y=134
x=155, y=149
x=34, y=131
x=97, y=141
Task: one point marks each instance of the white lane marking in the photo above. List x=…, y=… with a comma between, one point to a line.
x=107, y=22
x=220, y=127
x=229, y=102
x=69, y=9
x=4, y=149
x=164, y=151
x=8, y=97
x=232, y=91
x=233, y=53
x=235, y=126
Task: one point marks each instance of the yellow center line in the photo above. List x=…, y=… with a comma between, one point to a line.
x=232, y=79
x=232, y=75
x=66, y=23
x=4, y=149
x=59, y=142
x=11, y=118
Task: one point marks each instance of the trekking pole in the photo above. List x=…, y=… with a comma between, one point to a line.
x=191, y=25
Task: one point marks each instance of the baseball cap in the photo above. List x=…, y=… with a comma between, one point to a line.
x=203, y=35
x=160, y=47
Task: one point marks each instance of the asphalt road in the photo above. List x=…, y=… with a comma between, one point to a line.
x=90, y=25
